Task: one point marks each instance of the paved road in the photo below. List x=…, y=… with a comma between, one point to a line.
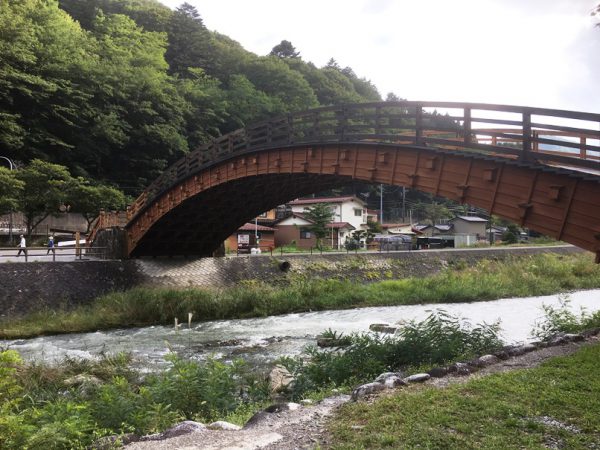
x=40, y=254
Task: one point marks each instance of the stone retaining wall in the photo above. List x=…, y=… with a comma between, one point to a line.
x=31, y=286
x=362, y=266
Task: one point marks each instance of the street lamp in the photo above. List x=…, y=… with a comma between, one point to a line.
x=10, y=217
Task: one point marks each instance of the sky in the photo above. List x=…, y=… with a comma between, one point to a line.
x=543, y=53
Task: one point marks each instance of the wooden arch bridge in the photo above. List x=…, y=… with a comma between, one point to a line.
x=537, y=167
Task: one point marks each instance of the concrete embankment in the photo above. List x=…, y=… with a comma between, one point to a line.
x=26, y=287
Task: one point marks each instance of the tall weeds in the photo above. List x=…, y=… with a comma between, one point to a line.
x=486, y=280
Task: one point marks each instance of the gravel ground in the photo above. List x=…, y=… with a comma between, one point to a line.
x=304, y=428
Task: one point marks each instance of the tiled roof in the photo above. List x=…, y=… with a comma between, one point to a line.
x=395, y=225
x=338, y=225
x=471, y=218
x=312, y=201
x=254, y=227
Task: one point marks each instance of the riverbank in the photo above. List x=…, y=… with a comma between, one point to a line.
x=388, y=421
x=527, y=402
x=77, y=402
x=36, y=285
x=485, y=280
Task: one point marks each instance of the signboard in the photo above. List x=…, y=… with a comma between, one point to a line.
x=243, y=239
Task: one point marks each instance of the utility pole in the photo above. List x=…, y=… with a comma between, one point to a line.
x=381, y=204
x=403, y=204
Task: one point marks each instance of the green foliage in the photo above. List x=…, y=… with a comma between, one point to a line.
x=44, y=413
x=116, y=90
x=320, y=216
x=561, y=319
x=11, y=189
x=285, y=49
x=89, y=199
x=46, y=187
x=526, y=276
x=438, y=339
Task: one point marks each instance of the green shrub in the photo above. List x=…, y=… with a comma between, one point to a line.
x=561, y=319
x=436, y=340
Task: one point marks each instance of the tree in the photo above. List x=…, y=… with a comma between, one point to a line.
x=11, y=189
x=320, y=215
x=435, y=212
x=88, y=199
x=189, y=41
x=46, y=187
x=287, y=88
x=285, y=49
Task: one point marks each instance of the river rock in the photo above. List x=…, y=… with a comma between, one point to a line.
x=488, y=360
x=81, y=379
x=417, y=378
x=460, y=368
x=438, y=372
x=591, y=332
x=393, y=382
x=502, y=354
x=367, y=389
x=267, y=413
x=280, y=379
x=185, y=427
x=381, y=378
x=114, y=441
x=382, y=328
x=224, y=426
x=522, y=349
x=565, y=338
x=326, y=342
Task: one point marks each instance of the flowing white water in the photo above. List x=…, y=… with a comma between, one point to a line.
x=262, y=340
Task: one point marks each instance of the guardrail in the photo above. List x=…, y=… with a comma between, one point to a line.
x=379, y=248
x=527, y=133
x=44, y=254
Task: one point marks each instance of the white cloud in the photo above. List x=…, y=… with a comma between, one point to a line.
x=530, y=52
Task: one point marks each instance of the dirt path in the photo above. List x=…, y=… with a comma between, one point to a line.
x=303, y=427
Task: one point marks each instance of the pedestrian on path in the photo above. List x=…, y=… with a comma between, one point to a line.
x=51, y=245
x=22, y=247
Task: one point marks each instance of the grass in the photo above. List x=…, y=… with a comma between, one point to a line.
x=486, y=280
x=499, y=411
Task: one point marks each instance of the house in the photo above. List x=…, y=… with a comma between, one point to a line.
x=251, y=235
x=348, y=214
x=296, y=229
x=435, y=230
x=470, y=225
x=348, y=209
x=399, y=228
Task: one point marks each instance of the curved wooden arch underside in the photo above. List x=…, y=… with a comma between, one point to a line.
x=198, y=214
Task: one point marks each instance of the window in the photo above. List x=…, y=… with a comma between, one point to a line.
x=305, y=234
x=263, y=215
x=358, y=212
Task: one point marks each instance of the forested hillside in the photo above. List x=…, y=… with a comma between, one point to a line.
x=116, y=90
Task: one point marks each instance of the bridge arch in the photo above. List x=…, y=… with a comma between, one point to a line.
x=543, y=175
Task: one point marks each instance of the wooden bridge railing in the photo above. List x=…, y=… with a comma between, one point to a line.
x=531, y=134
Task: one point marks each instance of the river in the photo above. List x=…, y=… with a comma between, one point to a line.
x=262, y=340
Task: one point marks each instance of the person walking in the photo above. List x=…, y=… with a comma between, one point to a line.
x=51, y=245
x=22, y=247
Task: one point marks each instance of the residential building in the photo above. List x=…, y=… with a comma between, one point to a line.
x=348, y=209
x=251, y=235
x=296, y=229
x=470, y=225
x=349, y=213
